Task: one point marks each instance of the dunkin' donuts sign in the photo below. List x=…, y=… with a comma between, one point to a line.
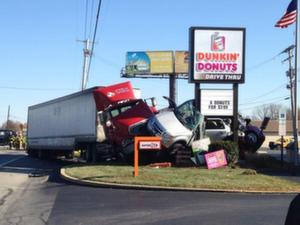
x=217, y=55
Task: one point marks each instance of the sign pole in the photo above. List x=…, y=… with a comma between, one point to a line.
x=172, y=86
x=173, y=82
x=282, y=131
x=235, y=113
x=295, y=93
x=197, y=105
x=136, y=157
x=281, y=151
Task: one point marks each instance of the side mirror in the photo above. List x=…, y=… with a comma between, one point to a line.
x=153, y=101
x=101, y=118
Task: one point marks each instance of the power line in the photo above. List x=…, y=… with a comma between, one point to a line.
x=108, y=62
x=262, y=63
x=267, y=93
x=34, y=89
x=94, y=37
x=86, y=15
x=283, y=99
x=91, y=17
x=256, y=102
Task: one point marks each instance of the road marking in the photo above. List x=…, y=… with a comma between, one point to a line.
x=13, y=160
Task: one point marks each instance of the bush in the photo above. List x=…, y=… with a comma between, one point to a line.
x=231, y=150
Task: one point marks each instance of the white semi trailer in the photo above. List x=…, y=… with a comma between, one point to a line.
x=96, y=120
x=59, y=126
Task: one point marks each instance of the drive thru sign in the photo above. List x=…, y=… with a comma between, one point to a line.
x=146, y=144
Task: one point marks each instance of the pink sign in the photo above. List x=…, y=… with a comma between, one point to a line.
x=215, y=159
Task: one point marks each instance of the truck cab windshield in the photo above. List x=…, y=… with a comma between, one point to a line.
x=188, y=115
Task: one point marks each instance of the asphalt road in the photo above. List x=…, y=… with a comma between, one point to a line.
x=44, y=198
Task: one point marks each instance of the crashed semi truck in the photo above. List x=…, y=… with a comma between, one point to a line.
x=100, y=121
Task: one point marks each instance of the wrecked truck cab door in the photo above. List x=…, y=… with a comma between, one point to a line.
x=176, y=125
x=188, y=115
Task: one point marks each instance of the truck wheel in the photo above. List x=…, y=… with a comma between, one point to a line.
x=251, y=139
x=43, y=154
x=69, y=155
x=91, y=154
x=176, y=151
x=272, y=145
x=176, y=148
x=180, y=155
x=32, y=153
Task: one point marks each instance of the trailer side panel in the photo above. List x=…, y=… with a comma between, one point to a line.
x=59, y=123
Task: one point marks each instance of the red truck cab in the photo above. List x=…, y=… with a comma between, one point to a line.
x=120, y=111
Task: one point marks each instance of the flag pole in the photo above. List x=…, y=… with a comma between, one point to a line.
x=295, y=90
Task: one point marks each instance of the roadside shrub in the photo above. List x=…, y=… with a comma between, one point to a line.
x=262, y=161
x=231, y=150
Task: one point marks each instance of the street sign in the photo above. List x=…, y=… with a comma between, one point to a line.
x=282, y=123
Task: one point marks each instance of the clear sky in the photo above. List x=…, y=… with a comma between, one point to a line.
x=41, y=59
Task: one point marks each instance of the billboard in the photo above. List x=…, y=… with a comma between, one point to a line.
x=181, y=62
x=216, y=102
x=217, y=55
x=150, y=62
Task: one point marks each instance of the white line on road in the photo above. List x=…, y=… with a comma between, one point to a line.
x=13, y=160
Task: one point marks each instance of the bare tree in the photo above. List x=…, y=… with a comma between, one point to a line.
x=13, y=125
x=267, y=110
x=289, y=113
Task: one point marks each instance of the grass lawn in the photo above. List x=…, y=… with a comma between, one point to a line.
x=222, y=178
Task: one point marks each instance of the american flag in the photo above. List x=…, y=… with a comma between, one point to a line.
x=289, y=17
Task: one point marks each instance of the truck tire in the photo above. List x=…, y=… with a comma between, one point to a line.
x=272, y=145
x=69, y=155
x=91, y=154
x=252, y=141
x=176, y=147
x=43, y=154
x=181, y=155
x=32, y=153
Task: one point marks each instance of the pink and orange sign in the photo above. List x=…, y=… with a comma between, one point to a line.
x=215, y=159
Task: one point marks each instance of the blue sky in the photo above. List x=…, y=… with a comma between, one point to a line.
x=41, y=59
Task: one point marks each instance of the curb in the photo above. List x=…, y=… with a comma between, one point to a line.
x=74, y=180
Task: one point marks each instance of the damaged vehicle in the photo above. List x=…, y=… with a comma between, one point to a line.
x=177, y=126
x=217, y=129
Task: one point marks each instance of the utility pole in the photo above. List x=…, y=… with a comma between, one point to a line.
x=86, y=63
x=292, y=86
x=8, y=116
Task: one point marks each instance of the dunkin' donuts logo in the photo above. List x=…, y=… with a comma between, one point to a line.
x=217, y=42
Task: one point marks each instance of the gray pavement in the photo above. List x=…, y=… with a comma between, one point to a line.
x=49, y=200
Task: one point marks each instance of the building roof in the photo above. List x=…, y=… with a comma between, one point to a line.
x=273, y=125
